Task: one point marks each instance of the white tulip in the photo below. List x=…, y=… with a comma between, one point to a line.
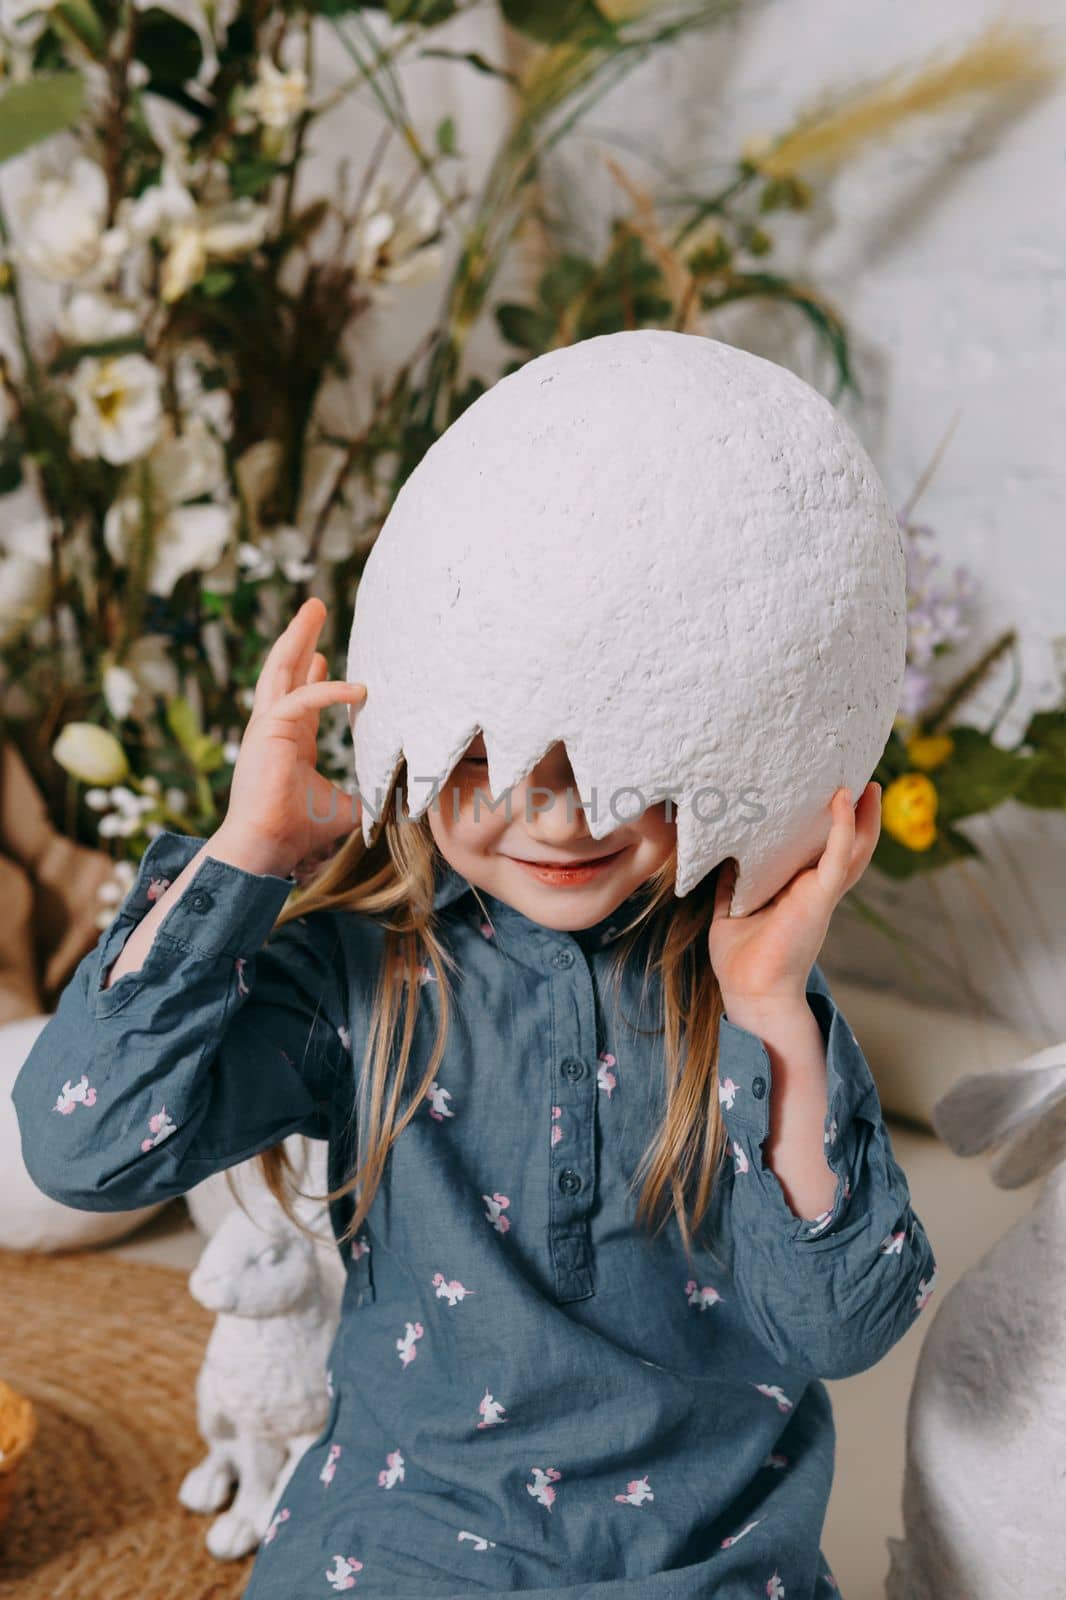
x=61, y=223
x=118, y=407
x=277, y=98
x=90, y=754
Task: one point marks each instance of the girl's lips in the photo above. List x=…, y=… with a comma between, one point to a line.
x=567, y=872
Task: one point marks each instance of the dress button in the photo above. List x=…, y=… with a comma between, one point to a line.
x=200, y=900
x=569, y=1180
x=573, y=1068
x=563, y=958
x=758, y=1087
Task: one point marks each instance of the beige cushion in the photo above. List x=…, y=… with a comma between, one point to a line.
x=916, y=1052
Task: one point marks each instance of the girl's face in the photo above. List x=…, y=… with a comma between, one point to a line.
x=520, y=853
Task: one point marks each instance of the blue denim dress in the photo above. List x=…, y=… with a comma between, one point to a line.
x=527, y=1394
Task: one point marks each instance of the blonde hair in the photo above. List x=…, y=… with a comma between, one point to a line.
x=393, y=881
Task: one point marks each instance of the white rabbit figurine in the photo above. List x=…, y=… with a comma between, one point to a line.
x=261, y=1393
x=984, y=1493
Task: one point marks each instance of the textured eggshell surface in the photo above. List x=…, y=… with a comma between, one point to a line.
x=668, y=553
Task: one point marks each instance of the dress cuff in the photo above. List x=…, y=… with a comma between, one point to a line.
x=745, y=1083
x=225, y=910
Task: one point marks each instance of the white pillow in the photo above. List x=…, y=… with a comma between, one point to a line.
x=30, y=1220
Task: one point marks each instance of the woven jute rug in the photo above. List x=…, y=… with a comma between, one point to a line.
x=108, y=1351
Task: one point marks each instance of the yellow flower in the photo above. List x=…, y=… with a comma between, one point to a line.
x=930, y=750
x=908, y=810
x=91, y=754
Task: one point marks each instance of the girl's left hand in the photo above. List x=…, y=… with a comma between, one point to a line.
x=767, y=956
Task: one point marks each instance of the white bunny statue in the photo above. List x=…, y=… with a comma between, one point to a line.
x=984, y=1493
x=261, y=1393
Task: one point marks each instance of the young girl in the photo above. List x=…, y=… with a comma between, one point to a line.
x=608, y=1170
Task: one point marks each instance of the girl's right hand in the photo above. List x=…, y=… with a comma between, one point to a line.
x=282, y=811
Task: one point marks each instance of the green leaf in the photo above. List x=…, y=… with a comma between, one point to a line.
x=427, y=12
x=562, y=283
x=169, y=49
x=250, y=178
x=37, y=109
x=473, y=58
x=977, y=777
x=11, y=447
x=217, y=282
x=559, y=21
x=446, y=136
x=525, y=326
x=67, y=359
x=182, y=722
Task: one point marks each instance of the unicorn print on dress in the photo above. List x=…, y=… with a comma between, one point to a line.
x=490, y=1410
x=820, y=1221
x=637, y=1491
x=278, y=1518
x=161, y=1127
x=450, y=1289
x=156, y=888
x=242, y=982
x=541, y=1487
x=735, y=1538
x=727, y=1092
x=486, y=930
x=360, y=1247
x=605, y=1078
x=830, y=1133
x=557, y=1132
x=343, y=1574
x=437, y=1096
x=423, y=973
x=775, y=1460
x=741, y=1163
x=329, y=1383
x=80, y=1094
x=773, y=1392
x=480, y=1542
x=406, y=1345
x=494, y=1214
x=344, y=1036
x=892, y=1243
x=775, y=1589
x=702, y=1297
x=392, y=1471
x=329, y=1469
x=925, y=1290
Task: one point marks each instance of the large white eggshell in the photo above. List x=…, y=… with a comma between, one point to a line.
x=668, y=553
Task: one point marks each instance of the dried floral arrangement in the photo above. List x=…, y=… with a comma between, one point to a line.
x=173, y=479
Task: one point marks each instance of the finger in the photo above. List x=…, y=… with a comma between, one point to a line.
x=276, y=677
x=314, y=615
x=836, y=857
x=318, y=669
x=308, y=697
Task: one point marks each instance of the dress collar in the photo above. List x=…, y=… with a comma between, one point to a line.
x=451, y=886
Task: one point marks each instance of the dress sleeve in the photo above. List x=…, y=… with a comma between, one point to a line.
x=228, y=1038
x=829, y=1294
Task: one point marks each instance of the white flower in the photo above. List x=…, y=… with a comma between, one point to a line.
x=277, y=98
x=118, y=407
x=228, y=230
x=146, y=673
x=25, y=585
x=160, y=208
x=285, y=549
x=90, y=317
x=394, y=248
x=214, y=407
x=185, y=538
x=90, y=753
x=114, y=890
x=61, y=223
